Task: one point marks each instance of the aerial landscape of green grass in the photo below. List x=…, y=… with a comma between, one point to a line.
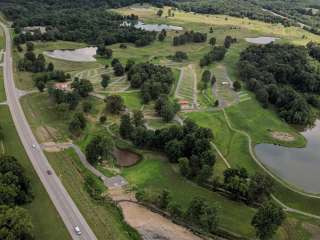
x=154, y=172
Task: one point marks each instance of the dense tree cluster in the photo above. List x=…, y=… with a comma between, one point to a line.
x=228, y=41
x=153, y=80
x=188, y=144
x=188, y=37
x=166, y=108
x=279, y=74
x=99, y=148
x=179, y=56
x=83, y=87
x=241, y=186
x=78, y=123
x=80, y=21
x=61, y=97
x=15, y=189
x=216, y=54
x=15, y=223
x=314, y=50
x=33, y=63
x=267, y=220
x=114, y=104
x=103, y=51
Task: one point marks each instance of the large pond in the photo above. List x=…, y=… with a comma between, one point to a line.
x=298, y=166
x=154, y=27
x=261, y=40
x=77, y=55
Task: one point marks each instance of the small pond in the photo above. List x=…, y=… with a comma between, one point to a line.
x=297, y=166
x=154, y=27
x=77, y=55
x=125, y=158
x=261, y=40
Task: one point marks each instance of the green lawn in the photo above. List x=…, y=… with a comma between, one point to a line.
x=233, y=146
x=154, y=174
x=46, y=221
x=132, y=100
x=104, y=219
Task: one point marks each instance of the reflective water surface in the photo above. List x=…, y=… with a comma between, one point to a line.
x=298, y=166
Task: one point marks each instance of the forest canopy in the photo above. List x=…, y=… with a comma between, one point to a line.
x=281, y=75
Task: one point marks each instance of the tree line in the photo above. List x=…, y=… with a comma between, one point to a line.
x=189, y=37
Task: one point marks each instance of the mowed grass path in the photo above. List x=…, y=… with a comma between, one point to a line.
x=104, y=220
x=47, y=223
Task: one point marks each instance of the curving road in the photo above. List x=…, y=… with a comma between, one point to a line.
x=67, y=209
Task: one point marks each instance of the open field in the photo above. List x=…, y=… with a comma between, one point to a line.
x=154, y=173
x=103, y=218
x=52, y=228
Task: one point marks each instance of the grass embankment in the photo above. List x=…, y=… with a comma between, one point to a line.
x=45, y=218
x=154, y=173
x=104, y=219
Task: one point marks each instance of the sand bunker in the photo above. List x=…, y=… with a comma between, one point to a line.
x=283, y=136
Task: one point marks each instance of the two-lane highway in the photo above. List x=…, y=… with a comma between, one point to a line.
x=67, y=209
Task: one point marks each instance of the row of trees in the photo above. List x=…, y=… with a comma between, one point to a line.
x=188, y=37
x=281, y=75
x=15, y=190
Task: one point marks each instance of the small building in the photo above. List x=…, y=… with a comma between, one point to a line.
x=62, y=86
x=184, y=104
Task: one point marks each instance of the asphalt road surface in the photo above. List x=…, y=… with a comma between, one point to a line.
x=67, y=209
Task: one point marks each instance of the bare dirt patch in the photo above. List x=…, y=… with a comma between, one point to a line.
x=44, y=134
x=149, y=224
x=54, y=147
x=125, y=158
x=283, y=136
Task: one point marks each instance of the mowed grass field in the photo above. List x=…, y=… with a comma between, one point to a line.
x=47, y=223
x=104, y=219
